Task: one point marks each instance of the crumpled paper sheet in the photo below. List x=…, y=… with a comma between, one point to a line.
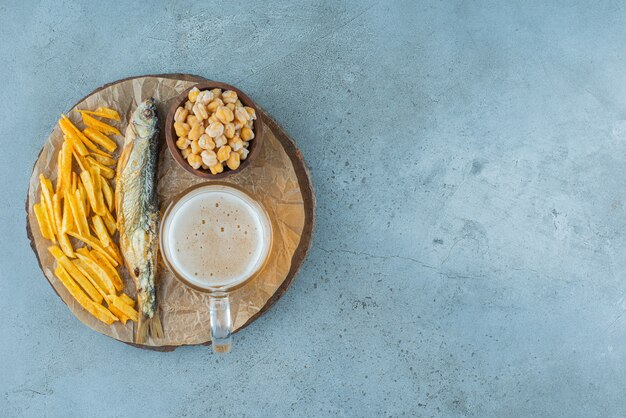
x=184, y=312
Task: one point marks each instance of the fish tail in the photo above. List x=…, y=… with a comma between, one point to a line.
x=148, y=327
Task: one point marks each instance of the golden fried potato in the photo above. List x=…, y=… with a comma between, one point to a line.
x=105, y=128
x=122, y=306
x=101, y=231
x=104, y=159
x=101, y=139
x=93, y=243
x=83, y=300
x=108, y=268
x=109, y=221
x=96, y=271
x=103, y=112
x=75, y=273
x=78, y=212
x=42, y=219
x=127, y=299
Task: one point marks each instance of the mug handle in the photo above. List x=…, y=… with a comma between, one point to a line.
x=221, y=322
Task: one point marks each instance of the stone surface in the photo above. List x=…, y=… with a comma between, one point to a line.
x=469, y=160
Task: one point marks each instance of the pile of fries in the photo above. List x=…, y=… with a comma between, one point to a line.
x=82, y=203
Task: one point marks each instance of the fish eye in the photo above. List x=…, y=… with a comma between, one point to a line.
x=148, y=113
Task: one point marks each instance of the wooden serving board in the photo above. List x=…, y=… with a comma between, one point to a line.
x=278, y=177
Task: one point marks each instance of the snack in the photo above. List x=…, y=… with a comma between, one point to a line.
x=214, y=129
x=137, y=215
x=63, y=212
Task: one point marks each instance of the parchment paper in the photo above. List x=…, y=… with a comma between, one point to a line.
x=184, y=312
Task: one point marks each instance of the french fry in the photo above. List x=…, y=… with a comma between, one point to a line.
x=119, y=303
x=78, y=212
x=127, y=299
x=104, y=159
x=114, y=251
x=96, y=271
x=118, y=312
x=105, y=171
x=46, y=193
x=75, y=273
x=66, y=245
x=103, y=112
x=84, y=200
x=104, y=263
x=95, y=281
x=110, y=222
x=93, y=189
x=70, y=132
x=82, y=163
x=67, y=222
x=42, y=219
x=58, y=213
x=59, y=169
x=103, y=314
x=101, y=231
x=107, y=191
x=74, y=181
x=94, y=123
x=93, y=243
x=93, y=147
x=100, y=138
x=64, y=176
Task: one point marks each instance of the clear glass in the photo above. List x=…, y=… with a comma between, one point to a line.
x=219, y=297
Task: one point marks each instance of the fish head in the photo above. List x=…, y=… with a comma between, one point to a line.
x=145, y=118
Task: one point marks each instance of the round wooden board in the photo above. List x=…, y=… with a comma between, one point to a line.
x=304, y=184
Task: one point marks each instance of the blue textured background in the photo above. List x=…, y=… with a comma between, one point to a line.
x=469, y=160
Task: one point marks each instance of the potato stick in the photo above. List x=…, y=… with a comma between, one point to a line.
x=96, y=271
x=101, y=139
x=118, y=312
x=114, y=251
x=110, y=222
x=60, y=185
x=108, y=268
x=93, y=243
x=103, y=112
x=78, y=212
x=104, y=160
x=101, y=231
x=69, y=130
x=82, y=298
x=105, y=171
x=93, y=190
x=95, y=281
x=90, y=145
x=107, y=192
x=119, y=303
x=58, y=213
x=75, y=273
x=66, y=169
x=84, y=200
x=42, y=219
x=127, y=299
x=66, y=245
x=105, y=128
x=94, y=173
x=74, y=181
x=67, y=223
x=82, y=163
x=46, y=193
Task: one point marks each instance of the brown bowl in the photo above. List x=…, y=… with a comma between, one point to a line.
x=171, y=138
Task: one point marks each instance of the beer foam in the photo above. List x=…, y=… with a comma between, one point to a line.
x=216, y=236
